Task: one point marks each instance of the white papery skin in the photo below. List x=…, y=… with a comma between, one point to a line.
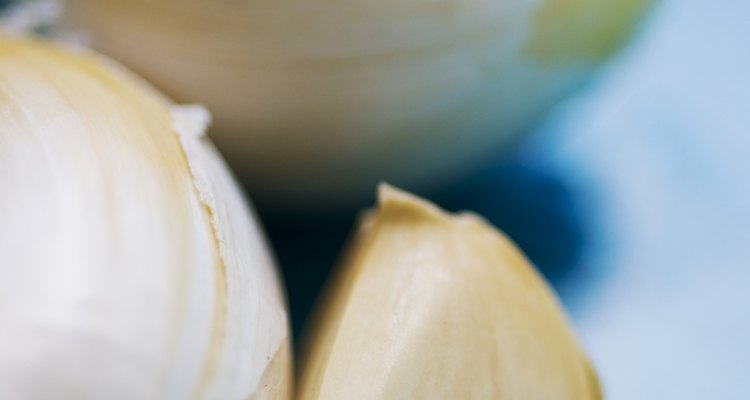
x=317, y=101
x=130, y=264
x=429, y=305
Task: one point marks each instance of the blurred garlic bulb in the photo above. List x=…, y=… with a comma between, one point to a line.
x=316, y=101
x=130, y=264
x=434, y=306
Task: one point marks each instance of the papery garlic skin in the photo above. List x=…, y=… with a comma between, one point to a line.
x=317, y=101
x=130, y=264
x=429, y=305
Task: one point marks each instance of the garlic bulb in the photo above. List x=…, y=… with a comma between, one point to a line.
x=130, y=264
x=434, y=306
x=316, y=101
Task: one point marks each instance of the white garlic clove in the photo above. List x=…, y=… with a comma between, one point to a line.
x=429, y=305
x=315, y=102
x=130, y=264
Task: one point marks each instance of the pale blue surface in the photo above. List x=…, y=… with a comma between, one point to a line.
x=661, y=147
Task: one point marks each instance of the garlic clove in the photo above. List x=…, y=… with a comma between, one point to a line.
x=315, y=102
x=429, y=305
x=130, y=264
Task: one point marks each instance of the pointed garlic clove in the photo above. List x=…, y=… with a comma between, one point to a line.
x=130, y=265
x=429, y=305
x=352, y=92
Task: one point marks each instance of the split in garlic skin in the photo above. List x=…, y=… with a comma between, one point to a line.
x=429, y=305
x=130, y=263
x=317, y=101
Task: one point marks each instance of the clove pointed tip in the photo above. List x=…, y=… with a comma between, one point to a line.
x=394, y=201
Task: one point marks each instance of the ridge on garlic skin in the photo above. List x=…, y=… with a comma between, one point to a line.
x=225, y=203
x=130, y=263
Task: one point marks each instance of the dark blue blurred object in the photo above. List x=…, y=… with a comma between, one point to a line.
x=534, y=206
